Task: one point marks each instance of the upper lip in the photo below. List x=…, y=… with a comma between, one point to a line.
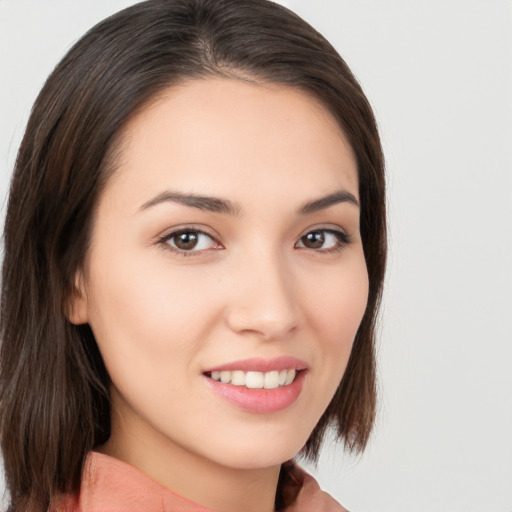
x=261, y=365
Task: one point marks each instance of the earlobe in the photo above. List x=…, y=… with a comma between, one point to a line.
x=77, y=307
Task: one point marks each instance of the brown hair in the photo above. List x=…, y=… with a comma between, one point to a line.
x=54, y=398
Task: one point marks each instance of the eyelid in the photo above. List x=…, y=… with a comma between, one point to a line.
x=162, y=240
x=342, y=236
x=199, y=228
x=331, y=228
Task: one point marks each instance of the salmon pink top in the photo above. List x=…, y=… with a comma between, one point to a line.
x=110, y=485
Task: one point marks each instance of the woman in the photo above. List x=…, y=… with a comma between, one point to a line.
x=194, y=255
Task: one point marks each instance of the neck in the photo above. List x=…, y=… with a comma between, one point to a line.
x=214, y=486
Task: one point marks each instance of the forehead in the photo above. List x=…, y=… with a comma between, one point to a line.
x=222, y=136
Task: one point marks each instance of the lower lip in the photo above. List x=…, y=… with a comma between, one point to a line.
x=261, y=401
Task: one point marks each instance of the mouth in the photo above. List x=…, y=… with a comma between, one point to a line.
x=259, y=385
x=255, y=380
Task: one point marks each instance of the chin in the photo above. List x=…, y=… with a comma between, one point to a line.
x=261, y=451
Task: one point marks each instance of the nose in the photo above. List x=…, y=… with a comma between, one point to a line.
x=263, y=301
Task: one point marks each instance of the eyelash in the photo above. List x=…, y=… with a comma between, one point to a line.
x=163, y=242
x=342, y=239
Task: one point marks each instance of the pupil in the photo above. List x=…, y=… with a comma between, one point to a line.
x=186, y=240
x=314, y=240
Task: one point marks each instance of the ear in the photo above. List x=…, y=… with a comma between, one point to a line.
x=77, y=307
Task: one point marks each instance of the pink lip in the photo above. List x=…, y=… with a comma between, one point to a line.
x=261, y=365
x=262, y=401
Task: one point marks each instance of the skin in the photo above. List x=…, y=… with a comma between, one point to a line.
x=251, y=288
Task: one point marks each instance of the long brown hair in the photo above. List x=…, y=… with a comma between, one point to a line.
x=54, y=398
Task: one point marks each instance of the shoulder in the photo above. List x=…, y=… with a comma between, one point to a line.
x=309, y=497
x=109, y=484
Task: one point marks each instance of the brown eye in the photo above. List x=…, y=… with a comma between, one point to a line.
x=190, y=240
x=323, y=240
x=313, y=240
x=186, y=241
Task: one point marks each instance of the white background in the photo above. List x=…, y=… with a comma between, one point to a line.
x=439, y=75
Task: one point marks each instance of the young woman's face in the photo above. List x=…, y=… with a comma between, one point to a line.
x=226, y=280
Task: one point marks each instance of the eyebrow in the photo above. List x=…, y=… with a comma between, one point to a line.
x=217, y=205
x=340, y=196
x=210, y=204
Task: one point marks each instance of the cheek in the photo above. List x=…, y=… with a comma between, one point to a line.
x=144, y=314
x=150, y=325
x=336, y=310
x=348, y=306
x=339, y=304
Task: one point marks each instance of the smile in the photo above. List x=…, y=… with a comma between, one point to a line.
x=258, y=390
x=255, y=380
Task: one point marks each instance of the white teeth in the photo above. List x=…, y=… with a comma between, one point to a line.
x=289, y=377
x=238, y=378
x=256, y=380
x=271, y=380
x=253, y=380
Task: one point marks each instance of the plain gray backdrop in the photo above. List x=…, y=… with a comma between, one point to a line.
x=439, y=75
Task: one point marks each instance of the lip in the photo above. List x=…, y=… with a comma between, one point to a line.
x=261, y=401
x=261, y=365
